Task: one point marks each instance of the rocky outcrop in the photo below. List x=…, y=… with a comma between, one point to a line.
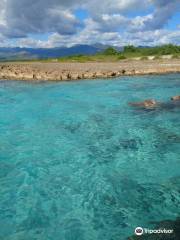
x=56, y=71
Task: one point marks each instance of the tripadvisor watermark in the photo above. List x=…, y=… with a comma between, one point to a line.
x=140, y=231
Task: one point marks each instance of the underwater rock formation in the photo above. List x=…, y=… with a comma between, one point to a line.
x=175, y=98
x=151, y=104
x=148, y=103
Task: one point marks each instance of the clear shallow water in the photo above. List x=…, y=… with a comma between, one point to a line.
x=78, y=163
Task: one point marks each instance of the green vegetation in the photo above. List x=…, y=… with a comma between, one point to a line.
x=112, y=54
x=109, y=54
x=168, y=49
x=110, y=51
x=130, y=49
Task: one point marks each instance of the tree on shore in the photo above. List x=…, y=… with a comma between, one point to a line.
x=110, y=51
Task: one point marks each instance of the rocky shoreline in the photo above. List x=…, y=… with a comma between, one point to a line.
x=41, y=71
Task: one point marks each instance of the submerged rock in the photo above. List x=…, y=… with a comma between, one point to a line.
x=149, y=103
x=170, y=105
x=176, y=98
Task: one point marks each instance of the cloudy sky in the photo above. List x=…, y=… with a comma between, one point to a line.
x=56, y=23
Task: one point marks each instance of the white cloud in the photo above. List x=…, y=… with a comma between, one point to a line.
x=115, y=6
x=110, y=22
x=38, y=16
x=87, y=36
x=2, y=13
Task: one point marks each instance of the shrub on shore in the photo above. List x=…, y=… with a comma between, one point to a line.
x=128, y=52
x=121, y=57
x=176, y=56
x=149, y=51
x=110, y=51
x=144, y=58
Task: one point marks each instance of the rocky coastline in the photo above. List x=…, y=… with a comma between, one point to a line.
x=42, y=71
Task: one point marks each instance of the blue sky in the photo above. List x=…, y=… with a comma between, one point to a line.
x=56, y=23
x=81, y=14
x=174, y=22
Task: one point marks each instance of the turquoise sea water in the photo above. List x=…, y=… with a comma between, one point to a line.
x=78, y=163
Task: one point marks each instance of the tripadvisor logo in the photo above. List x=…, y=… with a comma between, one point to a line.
x=140, y=231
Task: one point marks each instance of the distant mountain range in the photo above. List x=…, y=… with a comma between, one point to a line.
x=43, y=53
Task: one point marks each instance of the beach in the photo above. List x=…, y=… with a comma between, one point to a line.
x=64, y=71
